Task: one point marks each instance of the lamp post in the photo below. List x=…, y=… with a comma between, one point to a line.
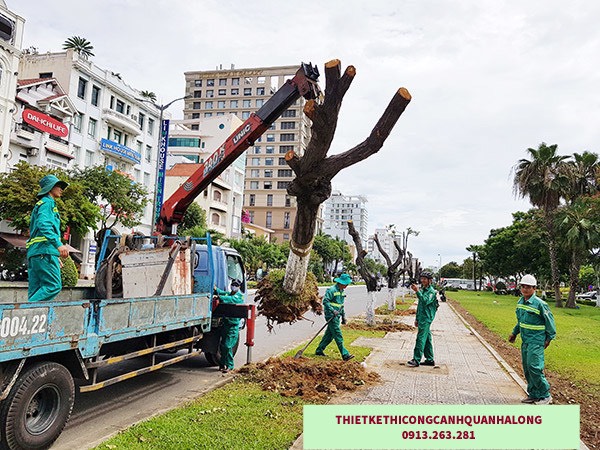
x=440, y=266
x=158, y=179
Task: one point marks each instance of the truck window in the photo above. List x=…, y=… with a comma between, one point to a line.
x=234, y=268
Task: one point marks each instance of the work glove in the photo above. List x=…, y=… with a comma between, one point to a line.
x=336, y=313
x=344, y=320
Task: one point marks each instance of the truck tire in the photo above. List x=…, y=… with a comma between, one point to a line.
x=100, y=282
x=214, y=359
x=38, y=407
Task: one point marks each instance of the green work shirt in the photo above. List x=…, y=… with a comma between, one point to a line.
x=427, y=305
x=44, y=229
x=535, y=321
x=230, y=298
x=333, y=301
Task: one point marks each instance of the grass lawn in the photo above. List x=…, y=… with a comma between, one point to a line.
x=573, y=354
x=238, y=415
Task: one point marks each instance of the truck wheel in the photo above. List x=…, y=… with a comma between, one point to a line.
x=214, y=359
x=38, y=407
x=100, y=282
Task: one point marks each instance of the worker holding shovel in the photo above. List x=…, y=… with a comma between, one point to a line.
x=333, y=306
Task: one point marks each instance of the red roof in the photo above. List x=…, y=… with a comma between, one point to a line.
x=182, y=170
x=33, y=81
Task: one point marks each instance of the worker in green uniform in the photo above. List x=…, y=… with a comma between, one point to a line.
x=230, y=329
x=333, y=306
x=536, y=324
x=44, y=245
x=426, y=308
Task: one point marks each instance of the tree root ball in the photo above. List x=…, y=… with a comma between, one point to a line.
x=280, y=307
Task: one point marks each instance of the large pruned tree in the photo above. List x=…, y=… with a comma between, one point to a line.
x=315, y=170
x=312, y=185
x=370, y=278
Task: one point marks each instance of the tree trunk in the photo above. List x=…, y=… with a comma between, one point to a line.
x=391, y=298
x=573, y=279
x=314, y=170
x=371, y=309
x=553, y=258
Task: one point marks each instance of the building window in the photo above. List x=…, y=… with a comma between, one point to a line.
x=268, y=174
x=233, y=103
x=257, y=150
x=284, y=173
x=81, y=87
x=288, y=125
x=222, y=92
x=196, y=105
x=254, y=185
x=117, y=136
x=206, y=114
x=282, y=162
x=282, y=184
x=254, y=173
x=208, y=105
x=76, y=153
x=197, y=83
x=141, y=119
x=286, y=137
x=255, y=161
x=286, y=236
x=272, y=127
x=217, y=196
x=286, y=148
x=95, y=95
x=269, y=221
x=148, y=153
x=268, y=161
x=259, y=102
x=247, y=103
x=195, y=127
x=270, y=138
x=269, y=199
x=252, y=200
x=289, y=113
x=251, y=214
x=268, y=185
x=261, y=80
x=92, y=127
x=269, y=149
x=235, y=81
x=286, y=220
x=247, y=91
x=120, y=106
x=235, y=91
x=150, y=127
x=260, y=91
x=221, y=104
x=89, y=158
x=222, y=81
x=210, y=93
x=77, y=119
x=210, y=82
x=245, y=114
x=197, y=94
x=195, y=115
x=288, y=201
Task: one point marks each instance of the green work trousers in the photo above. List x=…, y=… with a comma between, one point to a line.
x=44, y=278
x=229, y=337
x=423, y=346
x=333, y=333
x=532, y=356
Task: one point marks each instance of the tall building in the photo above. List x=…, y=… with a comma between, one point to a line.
x=222, y=200
x=241, y=92
x=339, y=209
x=386, y=239
x=110, y=126
x=11, y=40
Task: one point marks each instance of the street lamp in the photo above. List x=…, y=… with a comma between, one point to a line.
x=157, y=178
x=440, y=266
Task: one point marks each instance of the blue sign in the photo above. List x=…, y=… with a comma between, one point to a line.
x=161, y=167
x=122, y=151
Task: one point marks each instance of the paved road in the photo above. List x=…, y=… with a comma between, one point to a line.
x=98, y=415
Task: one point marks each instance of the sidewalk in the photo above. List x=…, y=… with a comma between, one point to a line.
x=468, y=370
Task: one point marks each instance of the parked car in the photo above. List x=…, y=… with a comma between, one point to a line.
x=590, y=295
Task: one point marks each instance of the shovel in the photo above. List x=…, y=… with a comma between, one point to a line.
x=299, y=353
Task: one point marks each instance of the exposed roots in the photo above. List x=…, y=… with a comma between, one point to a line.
x=280, y=307
x=311, y=379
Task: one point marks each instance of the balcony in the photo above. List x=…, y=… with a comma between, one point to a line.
x=218, y=205
x=59, y=147
x=25, y=131
x=123, y=121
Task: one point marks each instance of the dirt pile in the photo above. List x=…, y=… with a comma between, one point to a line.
x=311, y=379
x=389, y=327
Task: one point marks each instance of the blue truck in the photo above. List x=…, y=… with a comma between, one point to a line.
x=153, y=294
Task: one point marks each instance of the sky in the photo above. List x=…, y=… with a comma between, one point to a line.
x=488, y=80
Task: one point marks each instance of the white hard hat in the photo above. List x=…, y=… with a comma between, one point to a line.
x=529, y=280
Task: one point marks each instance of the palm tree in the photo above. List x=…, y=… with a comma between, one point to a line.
x=544, y=179
x=583, y=171
x=582, y=233
x=79, y=45
x=149, y=95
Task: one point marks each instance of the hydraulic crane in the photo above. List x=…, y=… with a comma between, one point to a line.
x=303, y=84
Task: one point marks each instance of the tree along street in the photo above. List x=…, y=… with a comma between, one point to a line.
x=98, y=415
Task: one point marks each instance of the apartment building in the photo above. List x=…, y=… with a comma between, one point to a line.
x=108, y=124
x=338, y=210
x=242, y=92
x=386, y=239
x=11, y=40
x=222, y=200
